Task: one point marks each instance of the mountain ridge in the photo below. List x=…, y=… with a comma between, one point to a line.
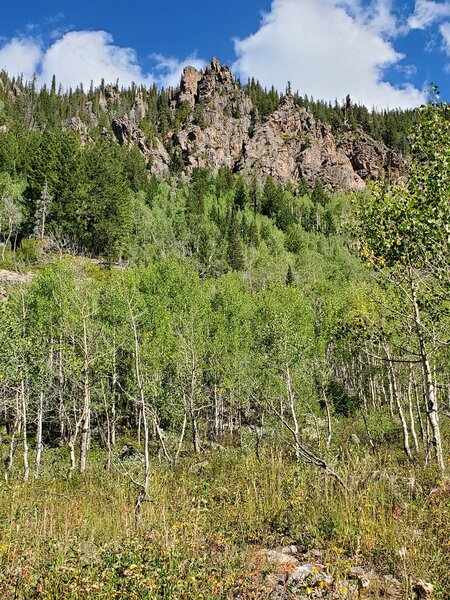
x=213, y=122
x=288, y=145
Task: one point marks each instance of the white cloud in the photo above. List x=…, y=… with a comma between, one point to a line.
x=445, y=32
x=20, y=56
x=380, y=18
x=55, y=18
x=427, y=12
x=85, y=56
x=326, y=49
x=169, y=69
x=407, y=70
x=58, y=32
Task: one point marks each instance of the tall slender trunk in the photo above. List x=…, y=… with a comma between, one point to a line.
x=183, y=431
x=61, y=412
x=291, y=400
x=410, y=407
x=86, y=415
x=386, y=399
x=12, y=442
x=191, y=398
x=39, y=444
x=143, y=411
x=419, y=411
x=391, y=397
x=6, y=243
x=71, y=443
x=26, y=462
x=430, y=390
x=396, y=397
x=108, y=428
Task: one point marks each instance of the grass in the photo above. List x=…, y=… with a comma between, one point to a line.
x=200, y=531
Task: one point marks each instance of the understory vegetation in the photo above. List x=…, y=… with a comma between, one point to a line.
x=192, y=371
x=200, y=531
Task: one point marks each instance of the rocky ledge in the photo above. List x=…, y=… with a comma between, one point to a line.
x=224, y=129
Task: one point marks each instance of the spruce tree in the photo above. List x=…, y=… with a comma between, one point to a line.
x=107, y=208
x=319, y=196
x=241, y=194
x=235, y=254
x=289, y=276
x=200, y=183
x=40, y=215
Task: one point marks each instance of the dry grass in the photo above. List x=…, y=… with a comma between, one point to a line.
x=203, y=524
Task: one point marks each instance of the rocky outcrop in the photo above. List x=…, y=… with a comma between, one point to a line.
x=189, y=86
x=297, y=574
x=223, y=129
x=110, y=93
x=129, y=135
x=291, y=145
x=10, y=278
x=76, y=124
x=139, y=110
x=216, y=134
x=370, y=159
x=216, y=125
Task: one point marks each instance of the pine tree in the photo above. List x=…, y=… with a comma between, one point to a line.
x=272, y=198
x=302, y=187
x=319, y=196
x=235, y=254
x=254, y=196
x=241, y=194
x=289, y=276
x=253, y=233
x=40, y=215
x=200, y=183
x=107, y=213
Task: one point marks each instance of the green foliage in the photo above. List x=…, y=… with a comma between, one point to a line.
x=235, y=254
x=200, y=185
x=108, y=200
x=392, y=126
x=401, y=224
x=220, y=313
x=30, y=251
x=266, y=102
x=290, y=276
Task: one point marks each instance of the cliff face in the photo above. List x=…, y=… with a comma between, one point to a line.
x=291, y=145
x=223, y=129
x=226, y=118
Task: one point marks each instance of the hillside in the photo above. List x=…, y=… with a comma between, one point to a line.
x=211, y=120
x=224, y=358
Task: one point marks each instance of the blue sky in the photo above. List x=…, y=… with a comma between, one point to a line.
x=382, y=52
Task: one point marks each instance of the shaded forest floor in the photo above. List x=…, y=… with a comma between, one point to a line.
x=201, y=533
